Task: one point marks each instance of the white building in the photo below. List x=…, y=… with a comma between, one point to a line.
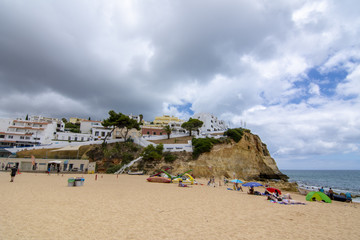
x=60, y=124
x=211, y=123
x=73, y=137
x=176, y=127
x=31, y=132
x=137, y=118
x=95, y=129
x=87, y=125
x=99, y=133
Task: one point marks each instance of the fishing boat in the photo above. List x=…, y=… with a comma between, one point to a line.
x=158, y=179
x=136, y=173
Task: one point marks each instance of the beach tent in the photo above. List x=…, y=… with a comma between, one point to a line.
x=319, y=196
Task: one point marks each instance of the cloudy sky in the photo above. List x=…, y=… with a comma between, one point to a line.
x=290, y=70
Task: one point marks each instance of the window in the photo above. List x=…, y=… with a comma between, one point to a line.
x=22, y=137
x=154, y=133
x=27, y=138
x=148, y=133
x=69, y=138
x=10, y=137
x=161, y=133
x=103, y=134
x=2, y=136
x=96, y=133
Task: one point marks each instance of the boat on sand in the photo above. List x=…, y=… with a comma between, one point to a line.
x=158, y=179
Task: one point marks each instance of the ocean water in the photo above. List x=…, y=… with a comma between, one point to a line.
x=339, y=180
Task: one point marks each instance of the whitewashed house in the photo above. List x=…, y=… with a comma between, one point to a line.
x=211, y=123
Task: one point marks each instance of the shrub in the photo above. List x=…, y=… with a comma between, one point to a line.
x=235, y=134
x=201, y=145
x=126, y=158
x=169, y=158
x=113, y=168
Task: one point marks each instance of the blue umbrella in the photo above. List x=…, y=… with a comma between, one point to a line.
x=252, y=184
x=236, y=181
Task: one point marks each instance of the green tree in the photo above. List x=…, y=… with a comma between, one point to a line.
x=121, y=121
x=141, y=118
x=168, y=130
x=27, y=117
x=192, y=125
x=64, y=120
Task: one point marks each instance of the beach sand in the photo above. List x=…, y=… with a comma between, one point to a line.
x=38, y=206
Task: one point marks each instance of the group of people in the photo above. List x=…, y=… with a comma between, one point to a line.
x=331, y=194
x=211, y=182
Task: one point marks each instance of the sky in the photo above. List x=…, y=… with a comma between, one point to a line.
x=287, y=70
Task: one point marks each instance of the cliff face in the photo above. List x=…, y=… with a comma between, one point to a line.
x=248, y=159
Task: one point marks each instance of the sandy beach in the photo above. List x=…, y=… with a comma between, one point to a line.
x=38, y=206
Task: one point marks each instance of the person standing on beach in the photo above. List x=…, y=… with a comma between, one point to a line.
x=13, y=173
x=331, y=193
x=321, y=189
x=2, y=166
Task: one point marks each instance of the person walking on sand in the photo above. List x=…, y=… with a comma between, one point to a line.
x=13, y=173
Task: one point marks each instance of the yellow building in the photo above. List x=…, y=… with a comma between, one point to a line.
x=75, y=120
x=165, y=120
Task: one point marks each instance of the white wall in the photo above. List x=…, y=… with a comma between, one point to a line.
x=70, y=136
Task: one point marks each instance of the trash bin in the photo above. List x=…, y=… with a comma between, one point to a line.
x=71, y=182
x=82, y=181
x=78, y=182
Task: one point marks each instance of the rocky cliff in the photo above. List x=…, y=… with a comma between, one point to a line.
x=248, y=159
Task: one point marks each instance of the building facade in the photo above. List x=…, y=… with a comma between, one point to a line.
x=42, y=165
x=148, y=131
x=210, y=123
x=23, y=133
x=86, y=126
x=166, y=119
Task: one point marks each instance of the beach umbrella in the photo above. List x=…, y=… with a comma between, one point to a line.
x=252, y=184
x=271, y=189
x=236, y=181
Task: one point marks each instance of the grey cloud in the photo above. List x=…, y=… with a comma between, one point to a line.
x=66, y=58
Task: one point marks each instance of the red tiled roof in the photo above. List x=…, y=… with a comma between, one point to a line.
x=35, y=128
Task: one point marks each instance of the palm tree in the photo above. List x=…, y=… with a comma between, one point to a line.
x=168, y=130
